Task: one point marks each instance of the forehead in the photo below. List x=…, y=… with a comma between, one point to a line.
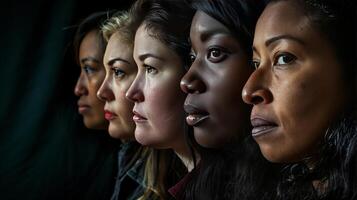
x=117, y=43
x=283, y=17
x=147, y=43
x=203, y=24
x=90, y=43
x=118, y=47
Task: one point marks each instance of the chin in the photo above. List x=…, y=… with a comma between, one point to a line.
x=116, y=133
x=206, y=142
x=276, y=157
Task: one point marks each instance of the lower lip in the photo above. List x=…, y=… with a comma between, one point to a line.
x=108, y=116
x=262, y=130
x=138, y=119
x=195, y=119
x=83, y=109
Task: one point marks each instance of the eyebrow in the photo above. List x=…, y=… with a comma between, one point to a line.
x=280, y=37
x=84, y=60
x=283, y=37
x=112, y=61
x=147, y=55
x=207, y=34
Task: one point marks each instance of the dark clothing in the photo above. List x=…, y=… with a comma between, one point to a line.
x=130, y=179
x=177, y=191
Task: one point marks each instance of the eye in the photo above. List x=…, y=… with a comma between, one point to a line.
x=284, y=59
x=88, y=69
x=118, y=73
x=149, y=69
x=192, y=57
x=216, y=54
x=255, y=63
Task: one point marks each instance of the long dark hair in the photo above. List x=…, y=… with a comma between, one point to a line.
x=90, y=23
x=169, y=22
x=237, y=171
x=336, y=166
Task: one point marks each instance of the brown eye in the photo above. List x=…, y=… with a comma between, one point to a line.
x=216, y=55
x=192, y=58
x=284, y=59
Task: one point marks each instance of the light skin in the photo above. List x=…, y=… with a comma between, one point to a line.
x=158, y=110
x=91, y=77
x=214, y=83
x=297, y=89
x=120, y=70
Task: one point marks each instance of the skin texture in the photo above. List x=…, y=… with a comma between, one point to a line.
x=214, y=83
x=297, y=86
x=120, y=73
x=156, y=92
x=89, y=81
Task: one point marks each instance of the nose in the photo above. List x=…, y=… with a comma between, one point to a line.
x=80, y=89
x=256, y=90
x=191, y=82
x=105, y=92
x=135, y=93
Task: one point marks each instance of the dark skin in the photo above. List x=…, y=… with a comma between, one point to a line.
x=214, y=83
x=297, y=89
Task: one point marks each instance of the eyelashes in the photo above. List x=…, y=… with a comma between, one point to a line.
x=118, y=73
x=89, y=69
x=149, y=69
x=214, y=54
x=283, y=59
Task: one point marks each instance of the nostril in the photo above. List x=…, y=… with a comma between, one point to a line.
x=256, y=100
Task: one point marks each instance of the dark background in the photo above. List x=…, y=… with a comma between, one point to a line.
x=45, y=152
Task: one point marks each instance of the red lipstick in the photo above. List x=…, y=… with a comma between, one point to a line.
x=108, y=115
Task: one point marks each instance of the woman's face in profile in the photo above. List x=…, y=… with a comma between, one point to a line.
x=214, y=83
x=158, y=110
x=91, y=77
x=297, y=88
x=120, y=72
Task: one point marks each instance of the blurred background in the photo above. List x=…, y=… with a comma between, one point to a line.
x=45, y=151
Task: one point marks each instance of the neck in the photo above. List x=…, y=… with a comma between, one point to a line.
x=184, y=153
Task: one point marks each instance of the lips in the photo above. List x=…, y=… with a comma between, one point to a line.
x=195, y=115
x=138, y=118
x=262, y=126
x=109, y=115
x=83, y=108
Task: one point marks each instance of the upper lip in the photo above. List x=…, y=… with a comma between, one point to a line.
x=193, y=109
x=108, y=111
x=81, y=104
x=137, y=114
x=258, y=120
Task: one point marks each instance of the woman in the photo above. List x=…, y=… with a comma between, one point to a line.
x=89, y=48
x=161, y=53
x=120, y=72
x=303, y=96
x=221, y=37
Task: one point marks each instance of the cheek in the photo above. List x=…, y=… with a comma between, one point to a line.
x=94, y=84
x=227, y=101
x=165, y=106
x=302, y=114
x=123, y=105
